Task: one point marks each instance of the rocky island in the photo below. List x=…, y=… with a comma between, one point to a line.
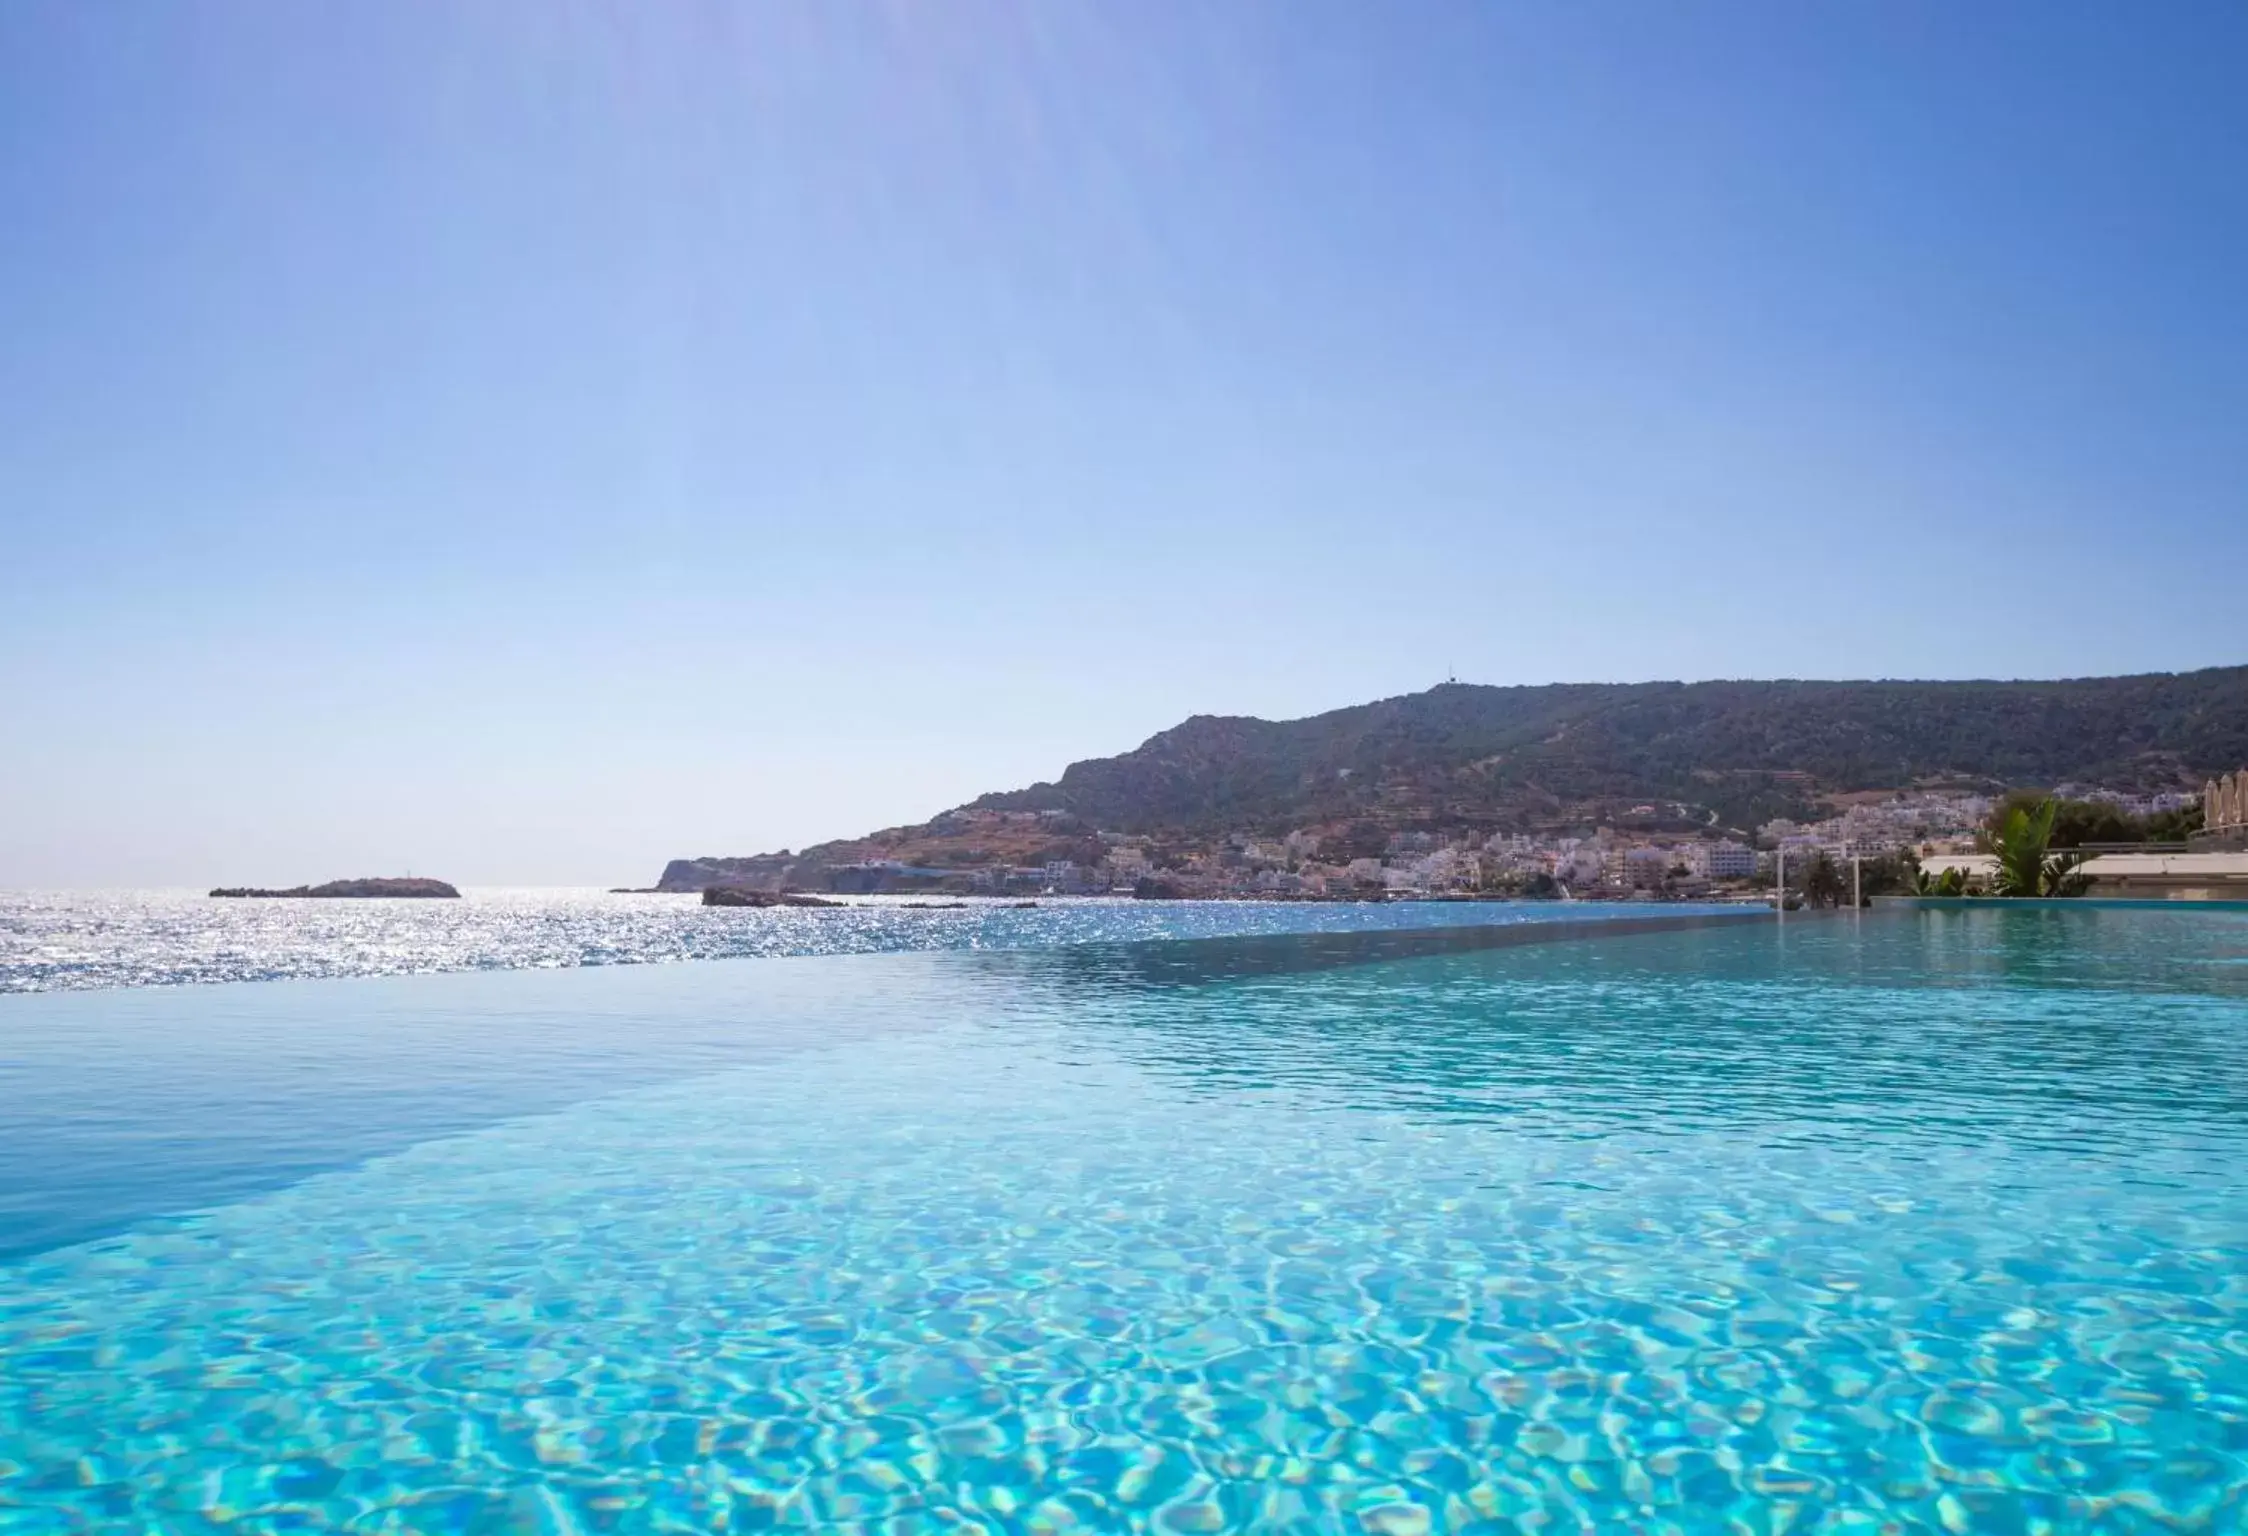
x=391, y=887
x=742, y=896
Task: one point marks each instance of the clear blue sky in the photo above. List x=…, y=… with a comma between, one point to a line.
x=524, y=442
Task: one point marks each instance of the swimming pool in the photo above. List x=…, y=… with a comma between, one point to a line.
x=1933, y=1220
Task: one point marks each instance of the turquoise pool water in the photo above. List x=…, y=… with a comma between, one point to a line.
x=1925, y=1222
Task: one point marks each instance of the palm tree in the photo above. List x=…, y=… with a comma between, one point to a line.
x=2021, y=836
x=1822, y=884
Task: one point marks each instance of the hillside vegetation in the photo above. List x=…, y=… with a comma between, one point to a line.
x=1722, y=752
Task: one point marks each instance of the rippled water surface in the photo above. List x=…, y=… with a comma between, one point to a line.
x=1918, y=1222
x=52, y=941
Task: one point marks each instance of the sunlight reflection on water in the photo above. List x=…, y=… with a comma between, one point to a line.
x=54, y=941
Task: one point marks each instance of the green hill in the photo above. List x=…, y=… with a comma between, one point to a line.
x=1718, y=753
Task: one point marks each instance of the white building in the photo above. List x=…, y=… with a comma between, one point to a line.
x=1127, y=863
x=1642, y=869
x=1579, y=864
x=1728, y=860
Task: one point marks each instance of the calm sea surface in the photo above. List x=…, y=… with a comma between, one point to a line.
x=1908, y=1222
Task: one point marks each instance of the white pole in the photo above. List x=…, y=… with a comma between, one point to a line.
x=1779, y=881
x=1856, y=899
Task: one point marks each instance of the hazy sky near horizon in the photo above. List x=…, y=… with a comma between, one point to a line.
x=528, y=441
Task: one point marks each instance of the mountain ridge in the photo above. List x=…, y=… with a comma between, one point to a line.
x=1716, y=755
x=1592, y=741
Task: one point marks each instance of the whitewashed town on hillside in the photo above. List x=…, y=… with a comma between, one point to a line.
x=1606, y=862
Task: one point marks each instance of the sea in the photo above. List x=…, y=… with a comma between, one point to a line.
x=69, y=940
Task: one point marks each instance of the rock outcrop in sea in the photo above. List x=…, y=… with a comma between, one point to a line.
x=738, y=896
x=414, y=886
